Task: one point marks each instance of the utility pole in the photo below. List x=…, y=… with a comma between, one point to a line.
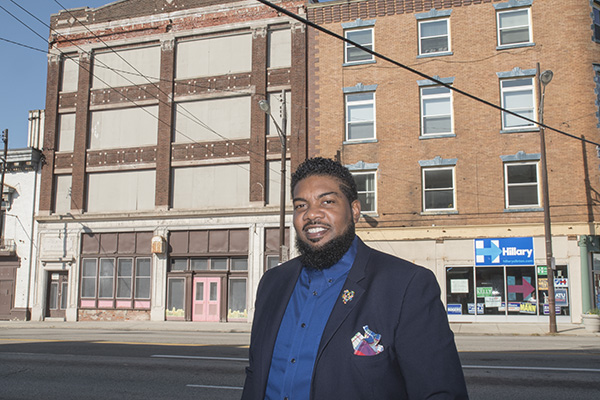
x=544, y=79
x=5, y=140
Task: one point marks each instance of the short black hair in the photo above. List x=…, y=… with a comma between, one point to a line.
x=327, y=167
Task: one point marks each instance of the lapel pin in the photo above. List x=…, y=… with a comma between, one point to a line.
x=347, y=296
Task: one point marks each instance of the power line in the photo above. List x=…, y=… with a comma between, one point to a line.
x=414, y=71
x=194, y=119
x=23, y=45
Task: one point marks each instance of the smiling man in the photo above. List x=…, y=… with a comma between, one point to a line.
x=343, y=320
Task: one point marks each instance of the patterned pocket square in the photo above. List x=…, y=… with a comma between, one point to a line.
x=367, y=344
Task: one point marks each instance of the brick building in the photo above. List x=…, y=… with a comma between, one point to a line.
x=160, y=193
x=451, y=183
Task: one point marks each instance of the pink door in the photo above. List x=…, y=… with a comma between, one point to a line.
x=207, y=295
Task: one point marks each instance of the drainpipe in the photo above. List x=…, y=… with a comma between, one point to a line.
x=585, y=273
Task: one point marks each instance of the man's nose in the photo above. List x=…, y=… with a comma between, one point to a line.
x=313, y=212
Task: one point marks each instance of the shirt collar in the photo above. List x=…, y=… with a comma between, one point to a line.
x=341, y=268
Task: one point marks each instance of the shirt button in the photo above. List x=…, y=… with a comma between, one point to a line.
x=315, y=293
x=331, y=280
x=303, y=325
x=293, y=360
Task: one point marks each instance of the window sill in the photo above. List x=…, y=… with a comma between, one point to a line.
x=514, y=46
x=439, y=212
x=531, y=209
x=438, y=136
x=349, y=64
x=522, y=130
x=446, y=53
x=360, y=141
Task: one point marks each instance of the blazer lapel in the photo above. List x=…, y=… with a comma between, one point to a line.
x=340, y=310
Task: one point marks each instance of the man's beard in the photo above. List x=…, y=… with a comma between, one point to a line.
x=329, y=254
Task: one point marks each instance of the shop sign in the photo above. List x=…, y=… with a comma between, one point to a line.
x=454, y=309
x=561, y=282
x=471, y=308
x=504, y=251
x=493, y=301
x=561, y=298
x=528, y=308
x=542, y=270
x=459, y=286
x=547, y=309
x=542, y=283
x=514, y=307
x=484, y=291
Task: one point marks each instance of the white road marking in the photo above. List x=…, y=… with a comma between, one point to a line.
x=215, y=387
x=199, y=357
x=531, y=368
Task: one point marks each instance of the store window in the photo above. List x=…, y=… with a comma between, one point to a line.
x=507, y=291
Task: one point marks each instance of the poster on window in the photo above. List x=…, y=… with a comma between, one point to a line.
x=459, y=286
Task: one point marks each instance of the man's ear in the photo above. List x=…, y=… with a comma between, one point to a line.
x=355, y=206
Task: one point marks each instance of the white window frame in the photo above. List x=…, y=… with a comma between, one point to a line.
x=504, y=90
x=447, y=35
x=425, y=190
x=373, y=174
x=349, y=104
x=348, y=46
x=596, y=20
x=499, y=30
x=507, y=186
x=426, y=97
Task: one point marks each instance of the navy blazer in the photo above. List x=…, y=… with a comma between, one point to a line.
x=395, y=298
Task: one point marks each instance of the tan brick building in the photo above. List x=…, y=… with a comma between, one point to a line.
x=454, y=184
x=160, y=192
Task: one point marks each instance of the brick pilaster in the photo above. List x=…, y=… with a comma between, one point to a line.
x=82, y=115
x=50, y=128
x=297, y=137
x=258, y=117
x=165, y=124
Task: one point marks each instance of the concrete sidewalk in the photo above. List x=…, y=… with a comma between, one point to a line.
x=460, y=329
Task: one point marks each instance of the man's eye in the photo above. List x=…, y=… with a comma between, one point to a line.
x=328, y=201
x=298, y=206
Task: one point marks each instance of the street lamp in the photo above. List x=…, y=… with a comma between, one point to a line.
x=544, y=79
x=266, y=108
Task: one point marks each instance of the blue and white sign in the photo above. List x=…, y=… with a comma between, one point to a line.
x=454, y=309
x=504, y=251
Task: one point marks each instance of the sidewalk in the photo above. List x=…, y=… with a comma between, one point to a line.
x=460, y=329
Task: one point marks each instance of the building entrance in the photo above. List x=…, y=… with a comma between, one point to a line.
x=206, y=304
x=57, y=291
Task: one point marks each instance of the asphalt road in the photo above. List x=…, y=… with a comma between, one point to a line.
x=100, y=364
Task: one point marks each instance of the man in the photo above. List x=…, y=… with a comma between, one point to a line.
x=342, y=320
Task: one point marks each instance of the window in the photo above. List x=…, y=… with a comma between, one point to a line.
x=214, y=264
x=521, y=184
x=436, y=110
x=365, y=183
x=360, y=116
x=596, y=20
x=514, y=27
x=438, y=189
x=434, y=36
x=364, y=37
x=117, y=280
x=518, y=97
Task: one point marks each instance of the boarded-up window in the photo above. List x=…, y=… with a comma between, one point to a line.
x=70, y=73
x=66, y=132
x=280, y=49
x=126, y=127
x=126, y=67
x=121, y=191
x=62, y=194
x=274, y=182
x=276, y=104
x=214, y=119
x=214, y=56
x=211, y=186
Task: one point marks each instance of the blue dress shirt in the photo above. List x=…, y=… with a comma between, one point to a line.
x=302, y=326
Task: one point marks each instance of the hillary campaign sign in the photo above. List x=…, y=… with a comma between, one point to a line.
x=504, y=251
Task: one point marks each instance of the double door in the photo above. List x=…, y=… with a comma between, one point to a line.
x=206, y=302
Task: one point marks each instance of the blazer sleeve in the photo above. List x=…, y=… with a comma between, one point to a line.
x=427, y=353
